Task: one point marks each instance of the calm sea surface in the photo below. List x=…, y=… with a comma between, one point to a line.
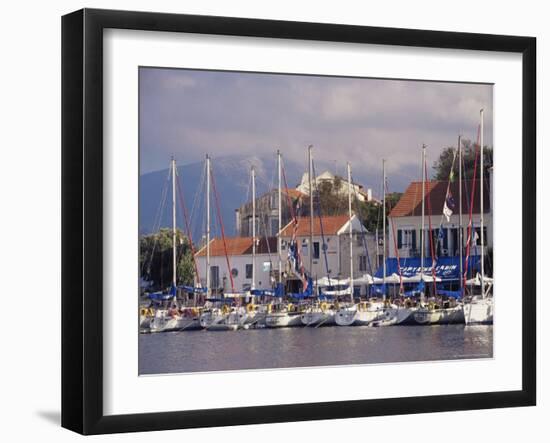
x=193, y=351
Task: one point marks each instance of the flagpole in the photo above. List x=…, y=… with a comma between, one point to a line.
x=350, y=236
x=253, y=177
x=310, y=248
x=384, y=228
x=460, y=239
x=174, y=261
x=422, y=239
x=481, y=173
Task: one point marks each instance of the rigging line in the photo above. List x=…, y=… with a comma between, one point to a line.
x=363, y=234
x=295, y=225
x=469, y=236
x=320, y=219
x=194, y=208
x=467, y=193
x=378, y=223
x=216, y=198
x=401, y=288
x=187, y=226
x=156, y=224
x=432, y=249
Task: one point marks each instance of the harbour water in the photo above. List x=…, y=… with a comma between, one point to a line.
x=203, y=351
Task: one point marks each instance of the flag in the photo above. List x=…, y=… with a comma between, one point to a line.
x=449, y=206
x=295, y=258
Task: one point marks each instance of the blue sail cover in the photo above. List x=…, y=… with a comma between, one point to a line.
x=307, y=293
x=160, y=296
x=193, y=289
x=446, y=268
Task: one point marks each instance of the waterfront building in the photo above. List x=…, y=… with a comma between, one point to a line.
x=239, y=255
x=339, y=185
x=331, y=233
x=406, y=218
x=267, y=222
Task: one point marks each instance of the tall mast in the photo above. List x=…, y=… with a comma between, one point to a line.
x=310, y=168
x=174, y=264
x=460, y=240
x=481, y=173
x=253, y=174
x=422, y=233
x=350, y=236
x=208, y=290
x=279, y=215
x=384, y=226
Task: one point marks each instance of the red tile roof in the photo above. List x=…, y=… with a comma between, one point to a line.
x=239, y=246
x=331, y=225
x=410, y=203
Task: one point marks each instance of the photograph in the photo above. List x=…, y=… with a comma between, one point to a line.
x=295, y=221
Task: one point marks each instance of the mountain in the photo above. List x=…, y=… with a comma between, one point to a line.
x=232, y=179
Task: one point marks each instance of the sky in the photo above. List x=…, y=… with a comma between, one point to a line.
x=188, y=113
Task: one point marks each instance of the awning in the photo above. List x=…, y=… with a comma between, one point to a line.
x=446, y=268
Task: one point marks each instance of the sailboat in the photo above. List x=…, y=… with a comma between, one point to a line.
x=478, y=308
x=174, y=317
x=318, y=313
x=216, y=318
x=356, y=314
x=436, y=311
x=281, y=315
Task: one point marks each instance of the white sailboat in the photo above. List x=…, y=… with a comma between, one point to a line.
x=281, y=315
x=434, y=312
x=317, y=313
x=478, y=308
x=174, y=318
x=224, y=318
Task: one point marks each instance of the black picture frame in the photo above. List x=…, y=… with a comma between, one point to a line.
x=82, y=218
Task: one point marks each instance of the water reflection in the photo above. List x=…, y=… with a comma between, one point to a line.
x=197, y=351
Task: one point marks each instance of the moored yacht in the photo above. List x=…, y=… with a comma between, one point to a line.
x=447, y=312
x=284, y=315
x=319, y=315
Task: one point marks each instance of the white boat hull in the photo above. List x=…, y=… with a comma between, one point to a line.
x=355, y=317
x=318, y=318
x=405, y=315
x=166, y=323
x=283, y=320
x=443, y=316
x=223, y=322
x=478, y=311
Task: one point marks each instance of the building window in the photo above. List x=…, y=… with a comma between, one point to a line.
x=250, y=226
x=215, y=277
x=363, y=263
x=316, y=250
x=406, y=239
x=274, y=227
x=248, y=271
x=476, y=240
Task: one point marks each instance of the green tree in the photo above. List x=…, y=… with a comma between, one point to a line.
x=370, y=213
x=442, y=166
x=156, y=259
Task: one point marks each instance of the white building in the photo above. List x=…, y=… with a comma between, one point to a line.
x=340, y=183
x=239, y=255
x=335, y=235
x=406, y=217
